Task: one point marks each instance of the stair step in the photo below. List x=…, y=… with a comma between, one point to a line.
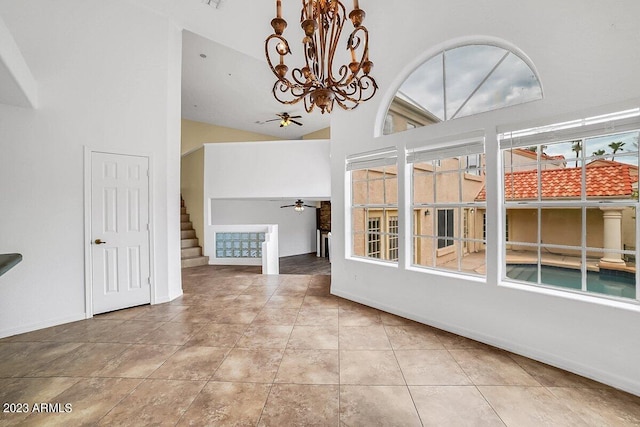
x=187, y=234
x=191, y=252
x=188, y=243
x=195, y=261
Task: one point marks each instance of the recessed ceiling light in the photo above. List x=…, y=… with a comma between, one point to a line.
x=202, y=55
x=212, y=3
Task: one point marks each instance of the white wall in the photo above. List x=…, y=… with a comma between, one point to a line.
x=583, y=66
x=246, y=183
x=267, y=169
x=297, y=231
x=108, y=76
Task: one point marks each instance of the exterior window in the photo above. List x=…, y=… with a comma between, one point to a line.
x=473, y=164
x=448, y=217
x=445, y=228
x=393, y=238
x=374, y=205
x=571, y=206
x=484, y=226
x=373, y=238
x=506, y=227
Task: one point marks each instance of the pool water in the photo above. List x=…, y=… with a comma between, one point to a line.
x=601, y=283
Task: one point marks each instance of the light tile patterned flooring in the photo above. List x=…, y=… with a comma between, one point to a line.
x=244, y=349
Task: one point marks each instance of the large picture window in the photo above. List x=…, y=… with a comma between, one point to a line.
x=571, y=201
x=447, y=212
x=374, y=205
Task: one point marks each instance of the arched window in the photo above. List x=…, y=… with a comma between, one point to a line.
x=460, y=82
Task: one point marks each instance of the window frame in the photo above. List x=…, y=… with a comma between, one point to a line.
x=581, y=130
x=382, y=162
x=432, y=157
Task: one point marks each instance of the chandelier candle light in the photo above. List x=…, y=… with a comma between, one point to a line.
x=317, y=82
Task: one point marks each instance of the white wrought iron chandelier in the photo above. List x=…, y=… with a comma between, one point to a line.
x=318, y=83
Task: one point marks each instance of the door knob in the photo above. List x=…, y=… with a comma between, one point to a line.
x=99, y=242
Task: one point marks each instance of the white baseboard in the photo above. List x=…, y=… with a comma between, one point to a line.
x=174, y=296
x=41, y=325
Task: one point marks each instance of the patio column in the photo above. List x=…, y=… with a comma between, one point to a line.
x=612, y=234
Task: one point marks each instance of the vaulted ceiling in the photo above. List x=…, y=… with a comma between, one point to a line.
x=225, y=78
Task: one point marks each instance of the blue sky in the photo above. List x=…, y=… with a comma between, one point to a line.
x=628, y=154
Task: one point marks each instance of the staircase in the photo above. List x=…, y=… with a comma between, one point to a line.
x=191, y=252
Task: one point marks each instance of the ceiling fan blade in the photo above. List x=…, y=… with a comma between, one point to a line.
x=298, y=123
x=272, y=120
x=295, y=117
x=287, y=206
x=309, y=206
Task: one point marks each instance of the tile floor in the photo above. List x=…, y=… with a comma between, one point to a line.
x=244, y=349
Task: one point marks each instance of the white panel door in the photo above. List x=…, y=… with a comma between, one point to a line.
x=119, y=231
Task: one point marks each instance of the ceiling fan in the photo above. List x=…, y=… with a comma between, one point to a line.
x=285, y=120
x=298, y=206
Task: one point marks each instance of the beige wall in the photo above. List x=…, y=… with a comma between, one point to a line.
x=516, y=160
x=559, y=227
x=321, y=134
x=629, y=228
x=194, y=134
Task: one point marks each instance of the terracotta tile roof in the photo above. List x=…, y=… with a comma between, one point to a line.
x=603, y=180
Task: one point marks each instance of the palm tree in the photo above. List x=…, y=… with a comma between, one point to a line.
x=616, y=146
x=599, y=153
x=577, y=148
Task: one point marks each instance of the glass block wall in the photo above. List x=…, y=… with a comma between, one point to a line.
x=239, y=245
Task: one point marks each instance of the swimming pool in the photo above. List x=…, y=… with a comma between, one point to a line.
x=620, y=285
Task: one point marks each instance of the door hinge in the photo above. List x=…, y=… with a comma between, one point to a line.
x=148, y=280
